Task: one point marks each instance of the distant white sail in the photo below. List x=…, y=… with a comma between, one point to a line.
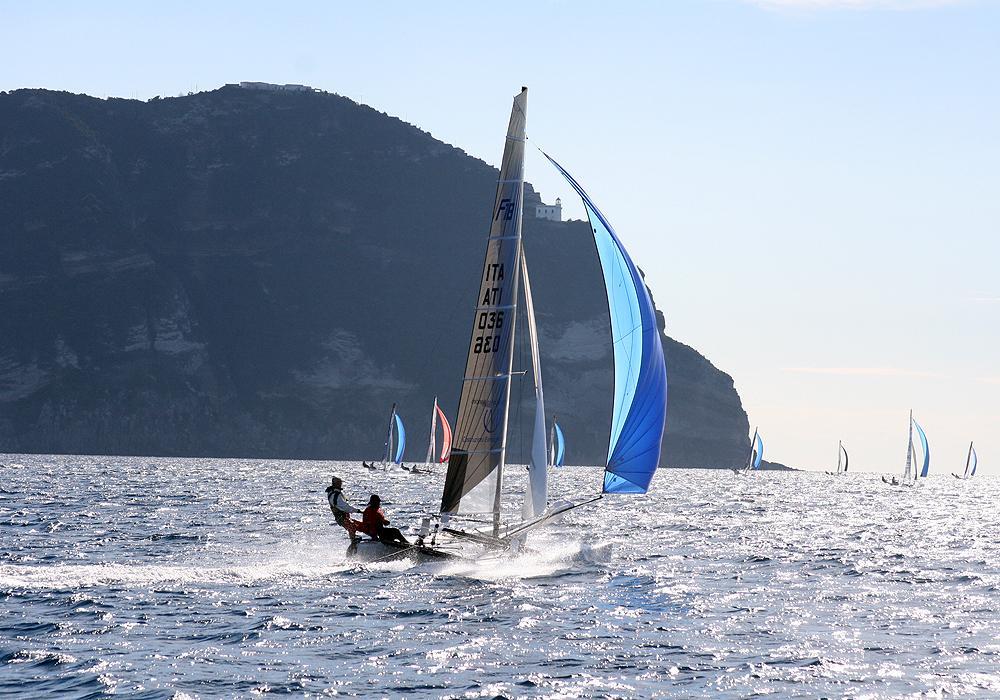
x=536, y=495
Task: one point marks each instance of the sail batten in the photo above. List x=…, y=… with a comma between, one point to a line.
x=639, y=405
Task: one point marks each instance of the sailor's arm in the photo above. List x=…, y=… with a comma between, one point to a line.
x=344, y=506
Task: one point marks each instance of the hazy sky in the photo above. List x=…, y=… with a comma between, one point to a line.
x=812, y=186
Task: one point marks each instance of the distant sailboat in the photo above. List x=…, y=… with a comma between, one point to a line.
x=432, y=457
x=842, y=460
x=971, y=461
x=557, y=445
x=911, y=473
x=470, y=513
x=755, y=455
x=394, y=447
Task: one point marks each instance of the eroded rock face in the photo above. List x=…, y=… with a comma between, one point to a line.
x=245, y=273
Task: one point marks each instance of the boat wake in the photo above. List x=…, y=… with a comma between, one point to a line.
x=63, y=576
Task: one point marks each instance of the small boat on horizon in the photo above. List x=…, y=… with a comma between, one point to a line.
x=432, y=456
x=911, y=474
x=842, y=460
x=394, y=446
x=971, y=460
x=755, y=455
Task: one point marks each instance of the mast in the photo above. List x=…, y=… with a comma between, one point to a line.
x=968, y=459
x=840, y=446
x=388, y=437
x=430, y=444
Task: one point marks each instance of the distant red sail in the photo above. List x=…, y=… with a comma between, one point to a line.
x=445, y=435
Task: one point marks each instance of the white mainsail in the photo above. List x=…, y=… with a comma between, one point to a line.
x=431, y=445
x=536, y=495
x=475, y=468
x=909, y=451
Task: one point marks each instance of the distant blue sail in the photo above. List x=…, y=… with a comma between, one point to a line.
x=640, y=401
x=758, y=452
x=975, y=461
x=401, y=439
x=927, y=451
x=560, y=445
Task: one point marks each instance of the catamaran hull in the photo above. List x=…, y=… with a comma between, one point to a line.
x=374, y=551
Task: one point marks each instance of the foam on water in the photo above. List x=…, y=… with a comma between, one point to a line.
x=227, y=578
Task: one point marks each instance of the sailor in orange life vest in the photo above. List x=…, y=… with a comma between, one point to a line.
x=374, y=522
x=341, y=508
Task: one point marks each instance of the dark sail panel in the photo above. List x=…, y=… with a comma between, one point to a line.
x=479, y=436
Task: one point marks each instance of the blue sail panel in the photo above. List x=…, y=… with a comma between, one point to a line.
x=927, y=452
x=758, y=452
x=975, y=461
x=401, y=439
x=640, y=399
x=560, y=446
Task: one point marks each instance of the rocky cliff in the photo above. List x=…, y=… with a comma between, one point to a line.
x=245, y=273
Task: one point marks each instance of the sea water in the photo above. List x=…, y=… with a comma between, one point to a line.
x=177, y=578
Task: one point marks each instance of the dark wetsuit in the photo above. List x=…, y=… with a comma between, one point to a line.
x=374, y=523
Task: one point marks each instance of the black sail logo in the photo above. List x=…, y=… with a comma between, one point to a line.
x=491, y=418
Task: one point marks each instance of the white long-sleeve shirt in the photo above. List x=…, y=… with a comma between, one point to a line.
x=338, y=502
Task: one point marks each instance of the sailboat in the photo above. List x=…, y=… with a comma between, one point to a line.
x=971, y=462
x=755, y=455
x=432, y=457
x=842, y=460
x=394, y=447
x=557, y=445
x=910, y=473
x=471, y=520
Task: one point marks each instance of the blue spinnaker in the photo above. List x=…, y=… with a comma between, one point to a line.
x=758, y=452
x=927, y=451
x=975, y=461
x=400, y=439
x=560, y=445
x=640, y=401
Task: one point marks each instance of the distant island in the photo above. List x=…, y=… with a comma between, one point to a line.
x=258, y=272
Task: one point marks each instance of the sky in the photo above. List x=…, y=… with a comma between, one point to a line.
x=811, y=186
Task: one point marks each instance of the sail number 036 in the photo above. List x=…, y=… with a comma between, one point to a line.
x=488, y=320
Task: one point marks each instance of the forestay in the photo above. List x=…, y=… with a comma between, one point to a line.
x=640, y=399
